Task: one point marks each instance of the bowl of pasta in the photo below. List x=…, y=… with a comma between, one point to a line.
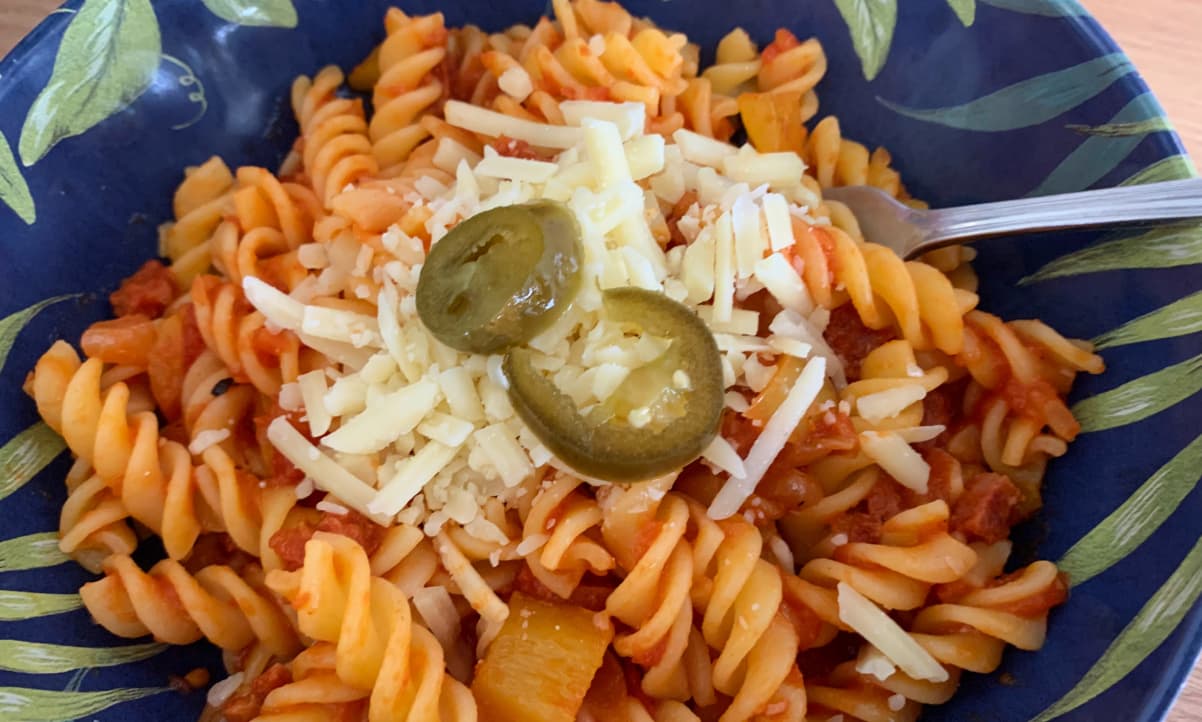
x=461, y=361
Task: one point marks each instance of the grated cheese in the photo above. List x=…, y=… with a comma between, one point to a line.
x=882, y=405
x=450, y=153
x=279, y=308
x=507, y=456
x=494, y=124
x=778, y=170
x=445, y=429
x=742, y=321
x=305, y=488
x=337, y=325
x=531, y=544
x=771, y=440
x=872, y=662
x=411, y=476
x=896, y=458
x=514, y=169
x=736, y=402
x=784, y=555
x=790, y=346
x=312, y=256
x=919, y=434
x=783, y=282
x=460, y=392
x=723, y=456
x=645, y=156
x=427, y=434
x=331, y=507
x=221, y=692
x=724, y=272
x=385, y=419
x=628, y=117
x=697, y=268
x=867, y=619
x=515, y=82
x=206, y=439
x=438, y=613
x=750, y=240
x=313, y=389
x=702, y=150
x=327, y=474
x=776, y=218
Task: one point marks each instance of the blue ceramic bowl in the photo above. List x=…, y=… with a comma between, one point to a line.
x=106, y=102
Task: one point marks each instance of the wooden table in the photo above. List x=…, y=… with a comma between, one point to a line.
x=1159, y=35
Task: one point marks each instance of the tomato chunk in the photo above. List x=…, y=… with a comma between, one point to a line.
x=148, y=292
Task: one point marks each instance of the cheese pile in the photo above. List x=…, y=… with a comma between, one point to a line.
x=412, y=431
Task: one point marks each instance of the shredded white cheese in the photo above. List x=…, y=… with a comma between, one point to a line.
x=776, y=217
x=327, y=474
x=894, y=455
x=491, y=123
x=782, y=281
x=331, y=507
x=887, y=404
x=221, y=692
x=207, y=438
x=628, y=117
x=515, y=82
x=867, y=619
x=919, y=434
x=385, y=419
x=771, y=440
x=702, y=150
x=723, y=456
x=514, y=169
x=872, y=662
x=413, y=474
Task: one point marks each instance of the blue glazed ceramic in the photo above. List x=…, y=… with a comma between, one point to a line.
x=108, y=100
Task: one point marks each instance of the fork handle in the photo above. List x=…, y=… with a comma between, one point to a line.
x=1148, y=202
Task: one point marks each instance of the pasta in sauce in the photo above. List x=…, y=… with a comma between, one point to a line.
x=841, y=553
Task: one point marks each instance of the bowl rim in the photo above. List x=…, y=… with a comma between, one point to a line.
x=1188, y=655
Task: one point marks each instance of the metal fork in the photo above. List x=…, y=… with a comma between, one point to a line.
x=911, y=232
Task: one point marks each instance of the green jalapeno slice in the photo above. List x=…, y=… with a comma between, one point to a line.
x=500, y=277
x=660, y=418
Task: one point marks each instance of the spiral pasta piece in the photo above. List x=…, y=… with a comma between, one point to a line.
x=337, y=151
x=217, y=603
x=561, y=518
x=212, y=403
x=408, y=86
x=740, y=600
x=914, y=297
x=1020, y=372
x=153, y=477
x=984, y=613
x=736, y=63
x=200, y=204
x=263, y=201
x=654, y=597
x=92, y=524
x=377, y=645
x=836, y=161
x=893, y=368
x=239, y=336
x=315, y=692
